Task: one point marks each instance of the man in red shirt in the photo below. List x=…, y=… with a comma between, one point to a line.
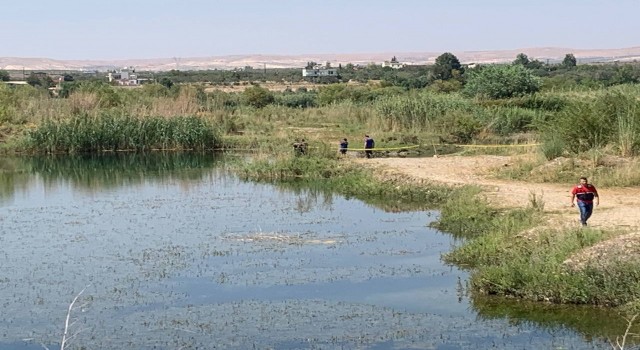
x=585, y=193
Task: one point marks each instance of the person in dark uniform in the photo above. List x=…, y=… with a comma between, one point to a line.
x=344, y=144
x=369, y=144
x=296, y=147
x=303, y=147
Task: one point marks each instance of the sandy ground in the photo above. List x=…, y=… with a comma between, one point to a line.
x=619, y=207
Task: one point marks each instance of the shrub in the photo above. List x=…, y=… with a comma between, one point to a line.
x=608, y=119
x=257, y=96
x=296, y=100
x=501, y=81
x=552, y=146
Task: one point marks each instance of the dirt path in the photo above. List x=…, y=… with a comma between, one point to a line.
x=619, y=207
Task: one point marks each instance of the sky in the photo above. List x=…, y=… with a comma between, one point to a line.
x=129, y=29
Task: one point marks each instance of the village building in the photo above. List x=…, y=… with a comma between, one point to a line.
x=126, y=76
x=319, y=71
x=393, y=63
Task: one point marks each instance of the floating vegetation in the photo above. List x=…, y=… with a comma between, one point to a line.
x=285, y=238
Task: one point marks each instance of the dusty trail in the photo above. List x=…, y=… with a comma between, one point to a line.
x=619, y=207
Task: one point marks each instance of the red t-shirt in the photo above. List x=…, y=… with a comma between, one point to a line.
x=585, y=193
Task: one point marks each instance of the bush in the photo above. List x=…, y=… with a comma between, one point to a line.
x=608, y=119
x=257, y=96
x=552, y=146
x=296, y=100
x=501, y=81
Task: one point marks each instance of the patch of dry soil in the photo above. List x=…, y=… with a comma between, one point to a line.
x=619, y=207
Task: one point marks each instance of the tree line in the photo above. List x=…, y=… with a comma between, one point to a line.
x=522, y=76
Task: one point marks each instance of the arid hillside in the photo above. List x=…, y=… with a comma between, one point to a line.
x=553, y=54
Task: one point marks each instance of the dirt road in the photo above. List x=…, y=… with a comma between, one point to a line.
x=619, y=207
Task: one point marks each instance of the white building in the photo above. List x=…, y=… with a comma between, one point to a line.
x=319, y=71
x=393, y=63
x=125, y=76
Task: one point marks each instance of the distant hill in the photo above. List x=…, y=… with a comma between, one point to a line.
x=552, y=54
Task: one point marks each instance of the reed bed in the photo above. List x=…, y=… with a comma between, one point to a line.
x=116, y=132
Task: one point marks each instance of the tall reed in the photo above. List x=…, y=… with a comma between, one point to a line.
x=116, y=132
x=416, y=112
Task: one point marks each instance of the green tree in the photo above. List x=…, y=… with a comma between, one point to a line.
x=257, y=96
x=624, y=75
x=535, y=64
x=39, y=79
x=332, y=93
x=522, y=60
x=67, y=88
x=33, y=80
x=446, y=66
x=501, y=81
x=4, y=75
x=569, y=61
x=166, y=82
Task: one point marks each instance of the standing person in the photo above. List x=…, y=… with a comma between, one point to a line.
x=296, y=147
x=303, y=147
x=344, y=144
x=585, y=193
x=369, y=144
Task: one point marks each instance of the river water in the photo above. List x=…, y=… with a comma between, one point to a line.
x=173, y=252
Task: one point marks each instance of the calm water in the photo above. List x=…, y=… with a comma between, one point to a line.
x=175, y=253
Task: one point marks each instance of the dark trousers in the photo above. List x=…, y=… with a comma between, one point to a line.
x=368, y=153
x=586, y=209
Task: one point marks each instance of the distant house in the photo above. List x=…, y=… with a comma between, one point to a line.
x=14, y=83
x=126, y=76
x=319, y=71
x=393, y=63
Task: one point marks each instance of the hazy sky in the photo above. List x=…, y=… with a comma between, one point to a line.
x=125, y=29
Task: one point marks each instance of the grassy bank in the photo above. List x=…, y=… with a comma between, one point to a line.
x=509, y=254
x=506, y=252
x=333, y=174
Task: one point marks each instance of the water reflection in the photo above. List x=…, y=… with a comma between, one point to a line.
x=125, y=169
x=94, y=173
x=589, y=321
x=15, y=176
